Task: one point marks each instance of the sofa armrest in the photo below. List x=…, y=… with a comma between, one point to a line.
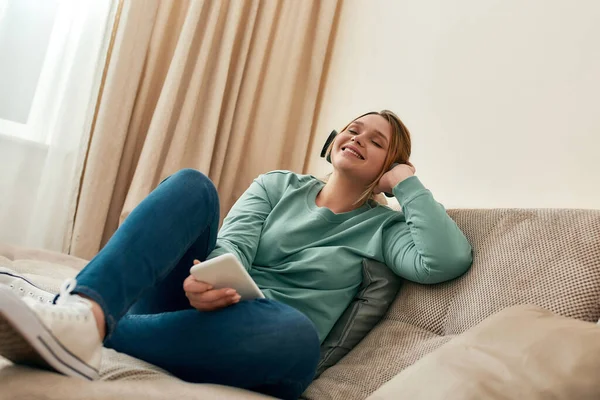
x=522, y=352
x=18, y=253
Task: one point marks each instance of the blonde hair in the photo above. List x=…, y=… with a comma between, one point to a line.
x=398, y=150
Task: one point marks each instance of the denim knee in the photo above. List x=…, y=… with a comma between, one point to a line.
x=197, y=184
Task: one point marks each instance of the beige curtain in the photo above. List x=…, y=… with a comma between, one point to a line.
x=230, y=88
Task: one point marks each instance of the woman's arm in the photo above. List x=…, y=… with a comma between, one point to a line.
x=429, y=248
x=243, y=225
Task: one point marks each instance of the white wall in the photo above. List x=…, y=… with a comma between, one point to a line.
x=502, y=97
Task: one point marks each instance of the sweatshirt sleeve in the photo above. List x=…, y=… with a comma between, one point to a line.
x=429, y=247
x=241, y=230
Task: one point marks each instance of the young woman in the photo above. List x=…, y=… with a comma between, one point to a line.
x=302, y=241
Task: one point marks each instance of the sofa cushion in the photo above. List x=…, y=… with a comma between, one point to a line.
x=549, y=258
x=27, y=383
x=522, y=352
x=378, y=290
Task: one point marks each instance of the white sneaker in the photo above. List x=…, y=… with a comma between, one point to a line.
x=23, y=287
x=62, y=337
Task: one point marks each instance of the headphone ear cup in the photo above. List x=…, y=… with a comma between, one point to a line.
x=328, y=142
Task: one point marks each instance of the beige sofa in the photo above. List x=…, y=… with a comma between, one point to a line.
x=465, y=339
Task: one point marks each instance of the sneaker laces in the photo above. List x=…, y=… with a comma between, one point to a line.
x=69, y=305
x=65, y=295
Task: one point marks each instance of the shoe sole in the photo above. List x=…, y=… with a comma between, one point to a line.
x=25, y=340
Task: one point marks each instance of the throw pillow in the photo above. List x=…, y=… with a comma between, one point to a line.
x=521, y=352
x=378, y=290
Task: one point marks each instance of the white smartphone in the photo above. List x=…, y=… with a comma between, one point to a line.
x=227, y=272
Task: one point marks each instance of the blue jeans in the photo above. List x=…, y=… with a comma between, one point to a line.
x=137, y=279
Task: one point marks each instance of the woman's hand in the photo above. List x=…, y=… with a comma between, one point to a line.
x=203, y=297
x=394, y=176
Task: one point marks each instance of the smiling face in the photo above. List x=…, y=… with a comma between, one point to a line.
x=361, y=149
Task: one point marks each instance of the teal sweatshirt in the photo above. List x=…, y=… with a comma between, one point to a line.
x=310, y=258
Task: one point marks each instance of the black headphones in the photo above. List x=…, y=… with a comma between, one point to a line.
x=327, y=157
x=328, y=142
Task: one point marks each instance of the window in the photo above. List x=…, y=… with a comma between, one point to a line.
x=27, y=30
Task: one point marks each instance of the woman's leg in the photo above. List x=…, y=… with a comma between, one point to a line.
x=260, y=345
x=178, y=218
x=176, y=223
x=168, y=294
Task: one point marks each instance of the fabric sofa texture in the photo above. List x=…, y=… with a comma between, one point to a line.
x=548, y=260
